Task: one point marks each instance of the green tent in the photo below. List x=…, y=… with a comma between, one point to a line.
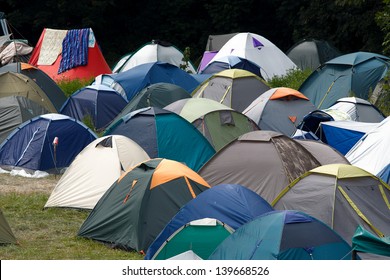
x=217, y=122
x=6, y=234
x=200, y=236
x=141, y=202
x=366, y=242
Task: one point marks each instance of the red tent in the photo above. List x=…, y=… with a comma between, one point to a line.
x=96, y=63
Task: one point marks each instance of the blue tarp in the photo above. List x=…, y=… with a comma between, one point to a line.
x=231, y=204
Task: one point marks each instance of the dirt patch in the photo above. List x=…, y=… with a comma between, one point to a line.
x=19, y=184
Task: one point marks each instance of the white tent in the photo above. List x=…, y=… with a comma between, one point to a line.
x=94, y=170
x=153, y=52
x=372, y=151
x=359, y=109
x=259, y=50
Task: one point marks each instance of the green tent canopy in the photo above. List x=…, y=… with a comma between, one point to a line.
x=6, y=234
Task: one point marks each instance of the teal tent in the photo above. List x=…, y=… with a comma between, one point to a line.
x=201, y=236
x=366, y=242
x=283, y=235
x=355, y=74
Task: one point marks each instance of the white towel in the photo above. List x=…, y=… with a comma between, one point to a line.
x=51, y=46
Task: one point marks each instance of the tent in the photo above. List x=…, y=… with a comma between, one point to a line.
x=154, y=51
x=343, y=135
x=21, y=100
x=48, y=143
x=324, y=153
x=259, y=50
x=342, y=196
x=217, y=122
x=6, y=234
x=98, y=103
x=69, y=54
x=372, y=151
x=94, y=170
x=234, y=88
x=263, y=161
x=354, y=74
x=156, y=95
x=359, y=109
x=164, y=134
x=213, y=45
x=138, y=205
x=312, y=53
x=231, y=62
x=49, y=87
x=200, y=236
x=283, y=235
x=231, y=204
x=132, y=81
x=366, y=242
x=279, y=109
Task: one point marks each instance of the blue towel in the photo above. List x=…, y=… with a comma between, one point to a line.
x=74, y=49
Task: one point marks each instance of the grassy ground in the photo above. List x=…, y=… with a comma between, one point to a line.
x=46, y=234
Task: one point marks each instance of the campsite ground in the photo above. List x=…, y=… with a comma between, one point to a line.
x=49, y=234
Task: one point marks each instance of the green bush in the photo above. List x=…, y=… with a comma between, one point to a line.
x=293, y=79
x=71, y=86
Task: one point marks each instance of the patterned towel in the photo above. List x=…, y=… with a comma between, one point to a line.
x=51, y=46
x=74, y=49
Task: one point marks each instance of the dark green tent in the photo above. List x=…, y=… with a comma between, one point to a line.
x=140, y=203
x=6, y=234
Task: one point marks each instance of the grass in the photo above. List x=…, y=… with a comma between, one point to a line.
x=50, y=234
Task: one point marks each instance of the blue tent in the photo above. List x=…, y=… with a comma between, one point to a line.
x=232, y=62
x=355, y=73
x=132, y=81
x=283, y=235
x=231, y=204
x=164, y=134
x=30, y=146
x=343, y=135
x=99, y=102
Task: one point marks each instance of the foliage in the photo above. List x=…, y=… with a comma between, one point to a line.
x=186, y=60
x=71, y=86
x=381, y=98
x=383, y=20
x=293, y=79
x=50, y=234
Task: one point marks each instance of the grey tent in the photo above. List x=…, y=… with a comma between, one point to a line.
x=263, y=161
x=311, y=53
x=216, y=42
x=343, y=197
x=6, y=234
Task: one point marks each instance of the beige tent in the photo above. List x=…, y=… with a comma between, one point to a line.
x=94, y=170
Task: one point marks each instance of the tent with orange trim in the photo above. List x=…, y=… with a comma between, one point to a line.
x=279, y=109
x=141, y=202
x=69, y=54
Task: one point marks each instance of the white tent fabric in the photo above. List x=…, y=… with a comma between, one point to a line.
x=372, y=151
x=187, y=255
x=94, y=170
x=155, y=52
x=358, y=109
x=261, y=51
